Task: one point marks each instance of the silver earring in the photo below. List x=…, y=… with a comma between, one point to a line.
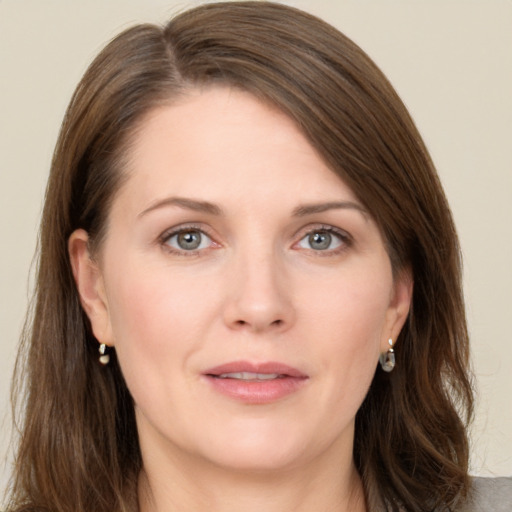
x=387, y=359
x=104, y=358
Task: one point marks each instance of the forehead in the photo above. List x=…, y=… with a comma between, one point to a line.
x=223, y=142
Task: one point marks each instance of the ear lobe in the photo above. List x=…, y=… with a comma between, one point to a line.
x=399, y=306
x=90, y=286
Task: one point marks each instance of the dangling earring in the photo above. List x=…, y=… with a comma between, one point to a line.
x=387, y=359
x=104, y=357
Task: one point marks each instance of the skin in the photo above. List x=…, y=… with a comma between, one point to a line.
x=257, y=289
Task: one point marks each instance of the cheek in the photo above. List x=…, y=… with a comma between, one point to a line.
x=159, y=320
x=150, y=299
x=353, y=306
x=349, y=320
x=158, y=329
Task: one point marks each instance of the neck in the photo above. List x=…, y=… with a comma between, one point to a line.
x=203, y=486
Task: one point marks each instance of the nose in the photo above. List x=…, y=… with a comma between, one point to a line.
x=260, y=298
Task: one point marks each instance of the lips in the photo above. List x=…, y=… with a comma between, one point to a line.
x=255, y=383
x=250, y=376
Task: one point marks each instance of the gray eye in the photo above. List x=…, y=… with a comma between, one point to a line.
x=320, y=240
x=189, y=240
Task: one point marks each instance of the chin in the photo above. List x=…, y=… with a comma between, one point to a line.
x=256, y=460
x=255, y=448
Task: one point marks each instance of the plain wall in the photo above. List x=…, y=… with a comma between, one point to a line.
x=451, y=61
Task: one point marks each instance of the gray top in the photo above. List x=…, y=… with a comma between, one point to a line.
x=490, y=495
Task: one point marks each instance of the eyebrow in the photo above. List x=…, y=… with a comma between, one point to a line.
x=213, y=209
x=183, y=202
x=310, y=209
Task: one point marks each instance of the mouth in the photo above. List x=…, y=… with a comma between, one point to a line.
x=250, y=376
x=255, y=383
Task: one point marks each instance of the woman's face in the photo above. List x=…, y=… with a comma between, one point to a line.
x=247, y=291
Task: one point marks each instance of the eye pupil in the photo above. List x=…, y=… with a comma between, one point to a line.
x=189, y=240
x=320, y=240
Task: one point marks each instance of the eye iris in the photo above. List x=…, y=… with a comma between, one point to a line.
x=320, y=240
x=189, y=240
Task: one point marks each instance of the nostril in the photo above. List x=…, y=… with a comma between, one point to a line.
x=274, y=323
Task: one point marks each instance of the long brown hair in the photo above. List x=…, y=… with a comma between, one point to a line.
x=78, y=447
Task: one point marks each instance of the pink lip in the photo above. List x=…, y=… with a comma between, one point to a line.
x=289, y=381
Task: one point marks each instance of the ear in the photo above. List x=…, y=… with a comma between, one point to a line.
x=90, y=286
x=399, y=307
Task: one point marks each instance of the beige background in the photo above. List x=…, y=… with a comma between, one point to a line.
x=451, y=61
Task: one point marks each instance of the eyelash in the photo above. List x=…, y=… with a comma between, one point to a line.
x=345, y=239
x=167, y=235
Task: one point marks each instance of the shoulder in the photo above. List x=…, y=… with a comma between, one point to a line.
x=489, y=495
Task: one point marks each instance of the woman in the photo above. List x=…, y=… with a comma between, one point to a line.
x=241, y=222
